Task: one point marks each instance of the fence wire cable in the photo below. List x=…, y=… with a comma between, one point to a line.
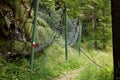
x=93, y=61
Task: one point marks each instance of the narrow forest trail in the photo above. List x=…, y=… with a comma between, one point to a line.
x=70, y=75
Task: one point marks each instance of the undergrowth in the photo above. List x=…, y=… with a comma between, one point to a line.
x=50, y=63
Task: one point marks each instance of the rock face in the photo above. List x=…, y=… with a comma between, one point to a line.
x=16, y=28
x=16, y=23
x=12, y=26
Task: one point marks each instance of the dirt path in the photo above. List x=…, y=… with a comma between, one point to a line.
x=70, y=75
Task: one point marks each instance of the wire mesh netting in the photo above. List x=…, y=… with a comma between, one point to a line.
x=50, y=25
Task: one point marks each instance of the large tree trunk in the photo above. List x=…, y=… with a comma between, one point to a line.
x=116, y=37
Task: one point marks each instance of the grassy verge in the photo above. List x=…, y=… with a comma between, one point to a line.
x=51, y=63
x=92, y=72
x=48, y=64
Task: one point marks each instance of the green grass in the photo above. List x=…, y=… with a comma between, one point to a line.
x=50, y=63
x=92, y=72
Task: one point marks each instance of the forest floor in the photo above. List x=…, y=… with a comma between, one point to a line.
x=70, y=75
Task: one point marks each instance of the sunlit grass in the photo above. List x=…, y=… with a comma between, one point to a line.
x=93, y=72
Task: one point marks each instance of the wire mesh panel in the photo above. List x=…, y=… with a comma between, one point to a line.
x=16, y=34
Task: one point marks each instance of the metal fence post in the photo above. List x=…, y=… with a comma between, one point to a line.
x=80, y=33
x=66, y=34
x=33, y=36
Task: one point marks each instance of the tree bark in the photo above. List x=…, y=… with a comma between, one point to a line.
x=116, y=37
x=95, y=45
x=103, y=27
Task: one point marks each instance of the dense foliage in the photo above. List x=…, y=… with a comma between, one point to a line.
x=95, y=16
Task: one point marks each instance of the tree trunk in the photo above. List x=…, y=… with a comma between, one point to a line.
x=116, y=37
x=103, y=27
x=94, y=27
x=103, y=40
